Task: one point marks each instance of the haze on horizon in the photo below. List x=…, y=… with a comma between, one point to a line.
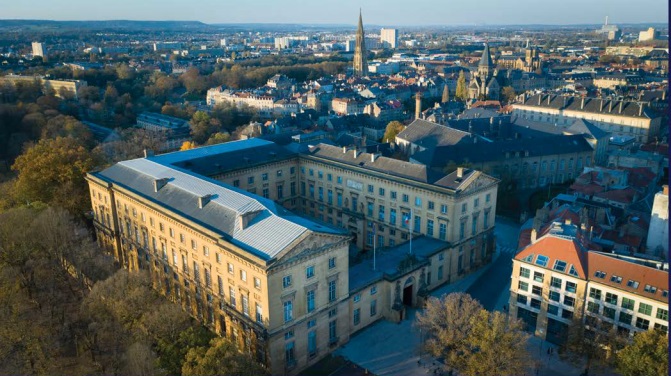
x=375, y=12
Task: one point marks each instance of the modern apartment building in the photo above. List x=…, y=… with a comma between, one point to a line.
x=60, y=88
x=389, y=38
x=212, y=227
x=558, y=279
x=39, y=49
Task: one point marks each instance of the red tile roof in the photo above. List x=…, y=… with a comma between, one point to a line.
x=644, y=275
x=556, y=248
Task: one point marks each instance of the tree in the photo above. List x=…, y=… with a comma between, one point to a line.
x=202, y=126
x=498, y=345
x=219, y=138
x=393, y=129
x=172, y=352
x=186, y=145
x=446, y=94
x=508, y=94
x=462, y=90
x=446, y=322
x=471, y=339
x=53, y=171
x=596, y=344
x=222, y=357
x=646, y=355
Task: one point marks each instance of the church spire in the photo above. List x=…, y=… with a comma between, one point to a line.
x=360, y=64
x=446, y=94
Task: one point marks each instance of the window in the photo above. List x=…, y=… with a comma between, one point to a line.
x=373, y=308
x=230, y=268
x=231, y=296
x=418, y=201
x=429, y=227
x=488, y=197
x=538, y=277
x=542, y=260
x=625, y=318
x=661, y=327
x=208, y=278
x=288, y=311
x=332, y=291
x=333, y=335
x=220, y=285
x=650, y=289
x=417, y=224
x=312, y=343
x=523, y=286
x=474, y=225
x=594, y=293
x=535, y=303
x=464, y=207
x=245, y=304
x=524, y=272
x=430, y=205
x=611, y=298
x=553, y=310
x=310, y=272
x=357, y=298
x=257, y=282
x=406, y=198
x=559, y=266
x=243, y=275
x=310, y=300
x=250, y=180
x=286, y=281
x=522, y=299
x=573, y=272
x=599, y=274
x=609, y=312
x=554, y=296
x=662, y=314
x=566, y=314
x=593, y=307
x=373, y=290
x=569, y=301
x=537, y=290
x=259, y=314
x=628, y=303
x=645, y=309
x=633, y=284
x=289, y=353
x=571, y=286
x=357, y=316
x=642, y=323
x=615, y=279
x=380, y=213
x=555, y=282
x=443, y=209
x=381, y=191
x=332, y=263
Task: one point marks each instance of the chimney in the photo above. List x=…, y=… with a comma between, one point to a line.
x=640, y=109
x=203, y=200
x=620, y=110
x=373, y=157
x=567, y=221
x=148, y=153
x=663, y=95
x=418, y=105
x=160, y=183
x=539, y=99
x=665, y=190
x=460, y=172
x=534, y=235
x=548, y=99
x=356, y=153
x=610, y=105
x=600, y=105
x=344, y=149
x=582, y=103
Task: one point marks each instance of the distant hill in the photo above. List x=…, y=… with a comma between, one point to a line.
x=104, y=25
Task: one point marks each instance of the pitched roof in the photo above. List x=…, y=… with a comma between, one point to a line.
x=430, y=135
x=582, y=126
x=591, y=105
x=486, y=59
x=644, y=275
x=557, y=248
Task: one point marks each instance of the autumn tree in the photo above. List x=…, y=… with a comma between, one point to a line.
x=68, y=126
x=53, y=171
x=647, y=355
x=508, y=94
x=472, y=340
x=203, y=126
x=219, y=138
x=133, y=143
x=461, y=92
x=595, y=344
x=222, y=357
x=393, y=129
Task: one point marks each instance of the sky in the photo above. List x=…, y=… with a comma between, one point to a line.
x=376, y=12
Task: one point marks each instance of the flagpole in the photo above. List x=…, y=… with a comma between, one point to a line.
x=410, y=224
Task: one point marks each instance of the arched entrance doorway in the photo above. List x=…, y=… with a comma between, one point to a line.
x=407, y=291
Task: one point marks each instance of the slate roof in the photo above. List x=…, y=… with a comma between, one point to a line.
x=270, y=228
x=591, y=105
x=582, y=126
x=486, y=59
x=496, y=151
x=430, y=135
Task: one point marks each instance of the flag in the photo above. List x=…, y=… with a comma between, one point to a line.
x=406, y=219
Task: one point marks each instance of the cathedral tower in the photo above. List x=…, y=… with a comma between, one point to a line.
x=360, y=64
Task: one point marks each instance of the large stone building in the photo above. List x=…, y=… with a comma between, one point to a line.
x=60, y=88
x=483, y=83
x=618, y=117
x=212, y=227
x=558, y=279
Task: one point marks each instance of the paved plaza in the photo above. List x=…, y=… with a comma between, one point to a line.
x=387, y=348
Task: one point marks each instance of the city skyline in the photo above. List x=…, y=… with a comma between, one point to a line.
x=376, y=12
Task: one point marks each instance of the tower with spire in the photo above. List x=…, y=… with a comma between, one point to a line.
x=483, y=84
x=360, y=63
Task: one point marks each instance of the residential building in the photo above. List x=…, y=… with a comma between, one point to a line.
x=558, y=279
x=212, y=228
x=60, y=88
x=39, y=50
x=648, y=35
x=389, y=38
